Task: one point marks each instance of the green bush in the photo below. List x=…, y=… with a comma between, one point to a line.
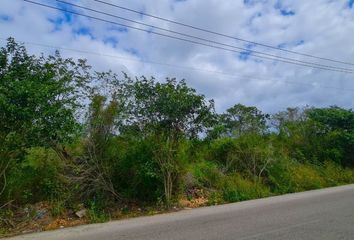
x=220, y=150
x=236, y=188
x=279, y=176
x=37, y=178
x=226, y=188
x=136, y=174
x=207, y=174
x=57, y=207
x=248, y=155
x=286, y=176
x=215, y=198
x=96, y=214
x=142, y=141
x=335, y=175
x=306, y=177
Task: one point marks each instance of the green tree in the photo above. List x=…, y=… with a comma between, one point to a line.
x=298, y=135
x=240, y=119
x=283, y=121
x=336, y=130
x=39, y=97
x=167, y=113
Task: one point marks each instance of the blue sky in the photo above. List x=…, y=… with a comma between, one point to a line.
x=319, y=27
x=350, y=3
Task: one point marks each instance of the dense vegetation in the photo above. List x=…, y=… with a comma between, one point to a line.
x=71, y=136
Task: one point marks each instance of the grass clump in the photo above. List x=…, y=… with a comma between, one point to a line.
x=236, y=188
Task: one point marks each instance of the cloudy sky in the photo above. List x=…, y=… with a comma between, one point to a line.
x=322, y=28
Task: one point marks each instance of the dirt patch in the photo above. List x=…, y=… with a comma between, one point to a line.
x=195, y=198
x=64, y=222
x=38, y=217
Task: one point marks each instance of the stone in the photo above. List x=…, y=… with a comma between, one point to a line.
x=81, y=213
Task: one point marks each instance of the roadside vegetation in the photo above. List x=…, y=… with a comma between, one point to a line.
x=79, y=146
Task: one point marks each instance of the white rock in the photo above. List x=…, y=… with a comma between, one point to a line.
x=81, y=213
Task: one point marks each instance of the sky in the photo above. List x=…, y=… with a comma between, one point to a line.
x=323, y=28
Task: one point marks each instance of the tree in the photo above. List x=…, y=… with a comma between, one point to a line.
x=333, y=118
x=39, y=97
x=283, y=121
x=240, y=119
x=94, y=168
x=298, y=135
x=167, y=113
x=336, y=130
x=317, y=135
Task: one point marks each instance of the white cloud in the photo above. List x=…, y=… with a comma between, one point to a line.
x=325, y=28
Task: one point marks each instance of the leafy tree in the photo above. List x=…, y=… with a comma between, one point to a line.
x=240, y=119
x=39, y=97
x=171, y=107
x=336, y=133
x=316, y=135
x=285, y=120
x=297, y=135
x=333, y=118
x=167, y=113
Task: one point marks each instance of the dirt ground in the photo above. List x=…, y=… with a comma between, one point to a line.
x=38, y=217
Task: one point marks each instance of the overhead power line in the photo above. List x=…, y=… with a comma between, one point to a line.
x=201, y=70
x=248, y=51
x=187, y=40
x=222, y=34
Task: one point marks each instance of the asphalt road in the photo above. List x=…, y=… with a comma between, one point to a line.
x=321, y=214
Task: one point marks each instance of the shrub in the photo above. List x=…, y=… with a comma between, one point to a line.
x=248, y=155
x=286, y=176
x=215, y=198
x=236, y=188
x=220, y=150
x=226, y=188
x=57, y=207
x=96, y=214
x=306, y=177
x=37, y=178
x=136, y=173
x=207, y=174
x=279, y=176
x=335, y=175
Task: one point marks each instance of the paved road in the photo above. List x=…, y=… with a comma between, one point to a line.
x=321, y=214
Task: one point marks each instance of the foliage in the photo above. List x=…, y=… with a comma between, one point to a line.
x=96, y=214
x=167, y=113
x=248, y=155
x=207, y=174
x=145, y=141
x=337, y=125
x=39, y=97
x=226, y=187
x=335, y=175
x=95, y=168
x=317, y=135
x=171, y=108
x=240, y=119
x=38, y=178
x=57, y=207
x=286, y=177
x=137, y=173
x=236, y=188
